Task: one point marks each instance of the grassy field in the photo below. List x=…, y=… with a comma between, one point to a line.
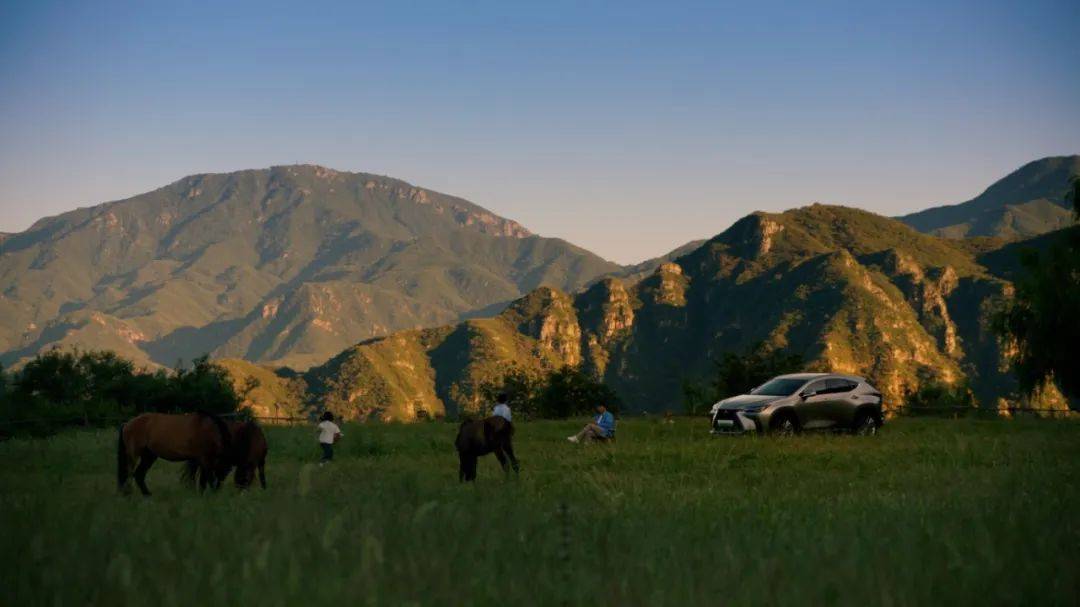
x=929, y=512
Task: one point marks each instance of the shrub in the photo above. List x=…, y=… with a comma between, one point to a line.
x=939, y=398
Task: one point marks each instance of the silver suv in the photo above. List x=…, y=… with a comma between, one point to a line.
x=788, y=404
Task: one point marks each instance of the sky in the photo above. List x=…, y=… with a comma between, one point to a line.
x=625, y=128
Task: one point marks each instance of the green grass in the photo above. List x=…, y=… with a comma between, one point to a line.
x=930, y=512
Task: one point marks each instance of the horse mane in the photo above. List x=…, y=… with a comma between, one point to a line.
x=223, y=430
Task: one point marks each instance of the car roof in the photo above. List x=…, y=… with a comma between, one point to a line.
x=809, y=376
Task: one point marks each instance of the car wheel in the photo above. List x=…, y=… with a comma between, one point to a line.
x=865, y=425
x=784, y=425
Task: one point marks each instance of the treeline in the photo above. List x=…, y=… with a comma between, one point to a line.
x=63, y=388
x=557, y=394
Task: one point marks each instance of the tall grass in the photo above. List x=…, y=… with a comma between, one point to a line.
x=930, y=512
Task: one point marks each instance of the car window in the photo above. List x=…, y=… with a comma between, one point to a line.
x=818, y=387
x=840, y=386
x=778, y=387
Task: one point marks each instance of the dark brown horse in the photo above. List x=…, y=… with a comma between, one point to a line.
x=248, y=455
x=482, y=436
x=199, y=437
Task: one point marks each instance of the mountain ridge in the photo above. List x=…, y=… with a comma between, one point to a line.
x=1027, y=202
x=212, y=262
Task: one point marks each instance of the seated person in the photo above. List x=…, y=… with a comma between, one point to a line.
x=602, y=428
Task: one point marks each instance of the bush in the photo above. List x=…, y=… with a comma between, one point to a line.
x=938, y=398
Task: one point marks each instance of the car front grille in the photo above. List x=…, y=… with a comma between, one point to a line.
x=725, y=415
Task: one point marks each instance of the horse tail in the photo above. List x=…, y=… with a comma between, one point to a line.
x=122, y=466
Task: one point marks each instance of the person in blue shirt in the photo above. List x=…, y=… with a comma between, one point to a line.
x=602, y=428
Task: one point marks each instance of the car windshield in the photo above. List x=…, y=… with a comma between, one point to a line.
x=778, y=387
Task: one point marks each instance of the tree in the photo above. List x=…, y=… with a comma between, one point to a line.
x=54, y=376
x=204, y=387
x=522, y=388
x=735, y=374
x=555, y=395
x=1041, y=324
x=1075, y=196
x=570, y=391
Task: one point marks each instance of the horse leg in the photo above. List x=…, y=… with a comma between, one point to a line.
x=190, y=473
x=468, y=467
x=509, y=448
x=262, y=473
x=145, y=461
x=125, y=470
x=499, y=455
x=123, y=464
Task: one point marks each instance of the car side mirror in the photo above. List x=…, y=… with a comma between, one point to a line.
x=807, y=394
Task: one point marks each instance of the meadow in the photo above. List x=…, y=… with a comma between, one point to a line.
x=931, y=511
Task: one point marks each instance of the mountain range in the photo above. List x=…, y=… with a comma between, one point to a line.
x=390, y=300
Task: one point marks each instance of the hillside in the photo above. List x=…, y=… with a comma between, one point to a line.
x=287, y=265
x=1028, y=202
x=848, y=290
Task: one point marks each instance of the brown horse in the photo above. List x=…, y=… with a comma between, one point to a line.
x=482, y=436
x=248, y=454
x=199, y=437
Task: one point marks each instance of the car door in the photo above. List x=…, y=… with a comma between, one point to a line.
x=813, y=409
x=840, y=409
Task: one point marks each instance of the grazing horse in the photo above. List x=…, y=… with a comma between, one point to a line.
x=480, y=437
x=248, y=454
x=199, y=437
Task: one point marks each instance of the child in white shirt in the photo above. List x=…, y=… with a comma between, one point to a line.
x=329, y=433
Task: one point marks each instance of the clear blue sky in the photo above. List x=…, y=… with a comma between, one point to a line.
x=626, y=130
